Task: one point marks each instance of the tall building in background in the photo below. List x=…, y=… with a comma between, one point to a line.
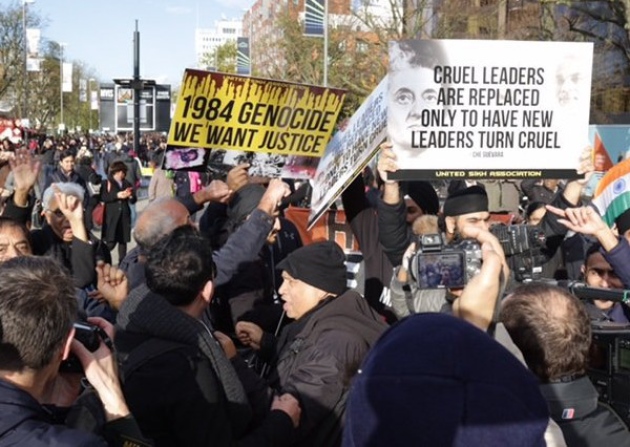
x=260, y=24
x=207, y=40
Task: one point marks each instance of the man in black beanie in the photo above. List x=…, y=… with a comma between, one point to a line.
x=316, y=356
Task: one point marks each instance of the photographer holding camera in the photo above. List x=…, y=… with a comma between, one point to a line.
x=439, y=265
x=37, y=312
x=532, y=251
x=468, y=206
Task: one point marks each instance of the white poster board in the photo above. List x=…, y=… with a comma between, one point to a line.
x=349, y=151
x=488, y=109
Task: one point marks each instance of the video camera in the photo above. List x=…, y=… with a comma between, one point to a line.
x=523, y=245
x=88, y=335
x=436, y=265
x=609, y=368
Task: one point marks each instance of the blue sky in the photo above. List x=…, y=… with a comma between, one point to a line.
x=100, y=32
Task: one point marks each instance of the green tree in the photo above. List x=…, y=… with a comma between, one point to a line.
x=222, y=59
x=605, y=23
x=42, y=88
x=297, y=58
x=12, y=53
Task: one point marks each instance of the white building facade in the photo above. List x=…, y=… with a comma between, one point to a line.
x=207, y=40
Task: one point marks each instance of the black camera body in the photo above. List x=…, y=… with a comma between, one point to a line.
x=89, y=336
x=609, y=366
x=522, y=245
x=437, y=265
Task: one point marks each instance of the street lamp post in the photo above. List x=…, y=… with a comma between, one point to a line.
x=25, y=79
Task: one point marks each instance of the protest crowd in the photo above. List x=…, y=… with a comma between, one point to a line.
x=413, y=313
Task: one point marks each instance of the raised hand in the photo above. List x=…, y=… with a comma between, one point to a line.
x=25, y=169
x=112, y=284
x=238, y=177
x=386, y=162
x=584, y=219
x=276, y=190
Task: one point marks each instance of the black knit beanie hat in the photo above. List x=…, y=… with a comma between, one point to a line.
x=321, y=264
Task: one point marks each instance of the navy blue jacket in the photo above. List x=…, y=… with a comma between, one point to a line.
x=25, y=422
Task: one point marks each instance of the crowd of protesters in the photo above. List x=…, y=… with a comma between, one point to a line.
x=237, y=331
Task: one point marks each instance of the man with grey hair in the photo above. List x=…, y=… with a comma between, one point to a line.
x=64, y=236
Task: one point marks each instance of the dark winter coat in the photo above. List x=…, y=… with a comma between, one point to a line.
x=364, y=223
x=584, y=421
x=117, y=219
x=184, y=391
x=25, y=422
x=59, y=177
x=317, y=356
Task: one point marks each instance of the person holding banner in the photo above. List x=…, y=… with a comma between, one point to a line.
x=394, y=232
x=421, y=199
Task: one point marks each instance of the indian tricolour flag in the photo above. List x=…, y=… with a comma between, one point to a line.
x=612, y=196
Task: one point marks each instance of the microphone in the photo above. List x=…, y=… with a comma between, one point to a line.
x=584, y=291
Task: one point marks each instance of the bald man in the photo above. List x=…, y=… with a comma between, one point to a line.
x=162, y=216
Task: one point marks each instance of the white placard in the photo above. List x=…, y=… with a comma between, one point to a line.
x=488, y=109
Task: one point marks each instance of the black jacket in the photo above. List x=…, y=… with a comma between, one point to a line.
x=117, y=211
x=25, y=422
x=59, y=177
x=184, y=391
x=316, y=358
x=584, y=421
x=364, y=223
